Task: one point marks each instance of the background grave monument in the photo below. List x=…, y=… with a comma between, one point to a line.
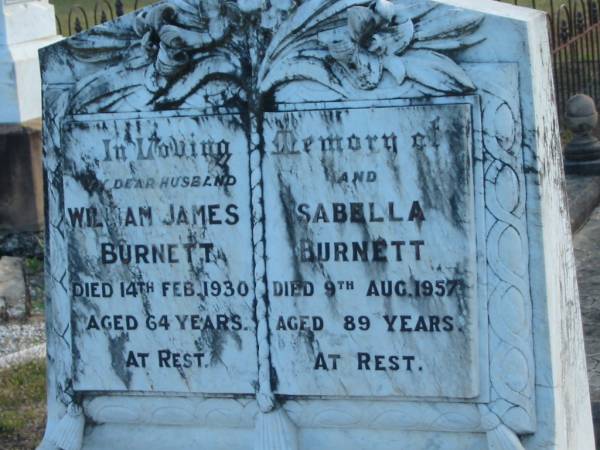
x=25, y=26
x=317, y=224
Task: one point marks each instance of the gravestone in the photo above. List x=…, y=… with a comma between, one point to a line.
x=25, y=26
x=314, y=224
x=15, y=303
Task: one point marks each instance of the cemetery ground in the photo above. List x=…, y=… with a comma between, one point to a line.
x=23, y=387
x=22, y=405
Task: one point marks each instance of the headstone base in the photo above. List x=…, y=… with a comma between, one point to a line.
x=21, y=178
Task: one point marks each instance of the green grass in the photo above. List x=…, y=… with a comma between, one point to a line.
x=22, y=406
x=34, y=265
x=34, y=271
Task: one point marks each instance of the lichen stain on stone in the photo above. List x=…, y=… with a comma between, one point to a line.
x=215, y=342
x=311, y=343
x=288, y=203
x=88, y=180
x=450, y=183
x=328, y=167
x=295, y=232
x=127, y=137
x=462, y=161
x=137, y=277
x=459, y=272
x=76, y=355
x=392, y=163
x=117, y=352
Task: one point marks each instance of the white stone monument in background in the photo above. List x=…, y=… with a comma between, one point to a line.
x=317, y=224
x=25, y=27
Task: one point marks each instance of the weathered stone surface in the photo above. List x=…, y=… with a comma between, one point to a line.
x=22, y=244
x=375, y=247
x=179, y=218
x=3, y=311
x=310, y=224
x=583, y=194
x=13, y=293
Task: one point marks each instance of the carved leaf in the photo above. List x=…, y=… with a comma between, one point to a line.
x=175, y=36
x=396, y=67
x=310, y=18
x=208, y=68
x=452, y=23
x=104, y=89
x=301, y=68
x=395, y=39
x=436, y=71
x=448, y=43
x=365, y=71
x=413, y=9
x=364, y=46
x=104, y=43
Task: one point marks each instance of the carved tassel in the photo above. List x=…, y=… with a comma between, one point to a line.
x=275, y=431
x=68, y=433
x=502, y=438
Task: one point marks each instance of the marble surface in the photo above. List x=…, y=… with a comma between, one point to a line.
x=365, y=229
x=442, y=110
x=158, y=223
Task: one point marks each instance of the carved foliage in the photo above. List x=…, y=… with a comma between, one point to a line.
x=174, y=49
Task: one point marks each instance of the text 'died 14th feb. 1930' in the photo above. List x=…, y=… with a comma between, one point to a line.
x=157, y=212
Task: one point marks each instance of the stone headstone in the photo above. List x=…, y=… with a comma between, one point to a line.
x=318, y=224
x=14, y=297
x=25, y=26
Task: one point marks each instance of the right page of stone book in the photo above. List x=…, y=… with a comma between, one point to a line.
x=371, y=250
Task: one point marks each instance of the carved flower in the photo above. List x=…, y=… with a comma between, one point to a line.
x=370, y=44
x=401, y=39
x=171, y=36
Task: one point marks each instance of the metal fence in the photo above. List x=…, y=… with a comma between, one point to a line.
x=80, y=19
x=575, y=34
